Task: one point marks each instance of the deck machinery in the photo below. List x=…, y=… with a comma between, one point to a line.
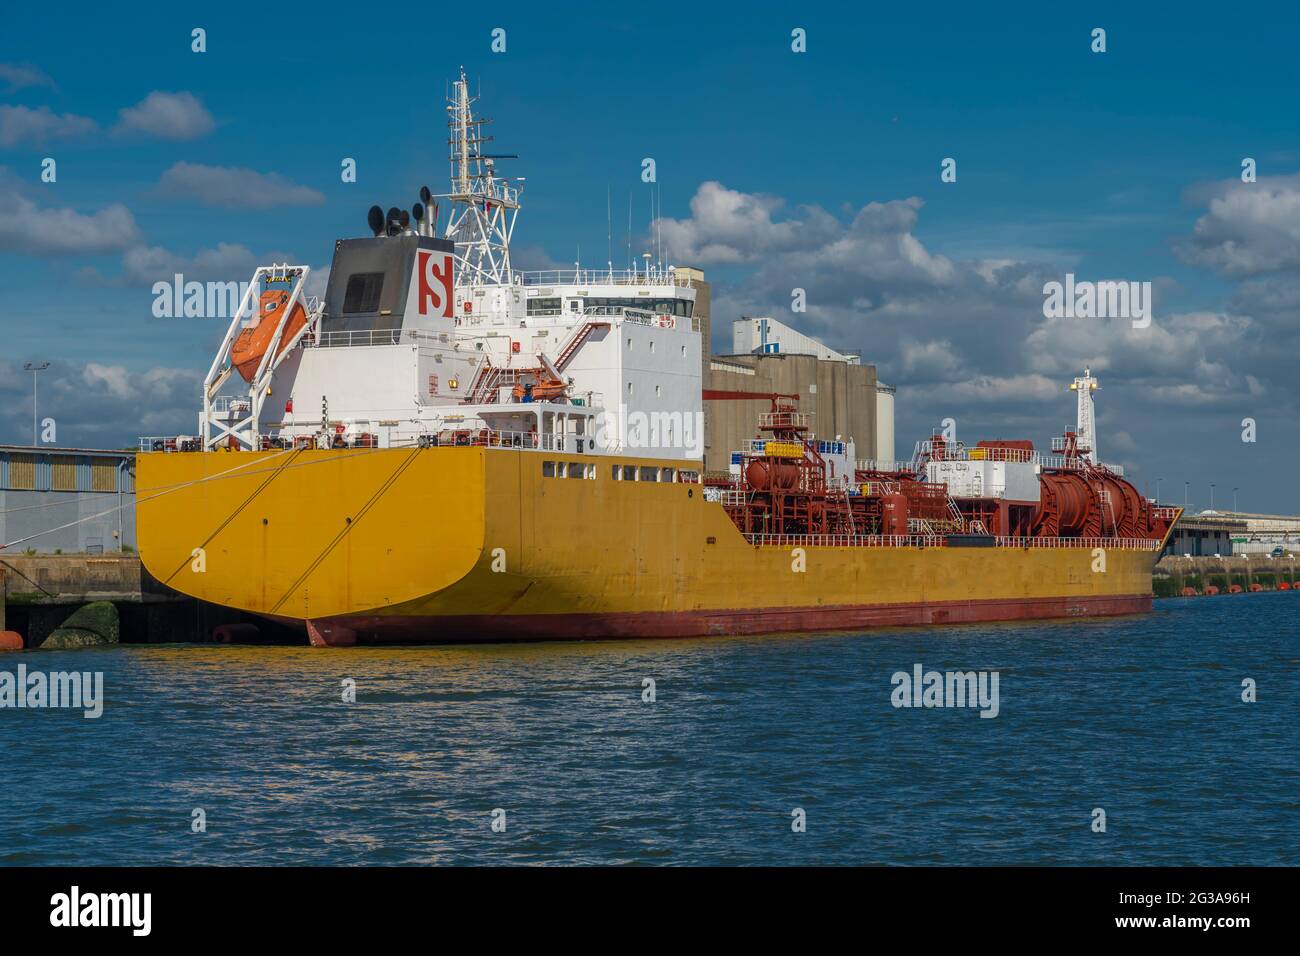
x=785, y=486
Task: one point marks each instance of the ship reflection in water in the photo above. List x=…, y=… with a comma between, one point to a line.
x=1140, y=716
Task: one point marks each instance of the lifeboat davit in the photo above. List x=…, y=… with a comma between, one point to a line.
x=251, y=344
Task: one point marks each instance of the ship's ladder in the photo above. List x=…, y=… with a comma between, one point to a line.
x=958, y=518
x=486, y=380
x=575, y=342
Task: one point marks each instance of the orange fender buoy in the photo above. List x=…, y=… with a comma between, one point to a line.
x=1234, y=589
x=1189, y=592
x=11, y=641
x=1211, y=589
x=1284, y=586
x=1256, y=587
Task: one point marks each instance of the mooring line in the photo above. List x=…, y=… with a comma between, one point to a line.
x=231, y=517
x=383, y=488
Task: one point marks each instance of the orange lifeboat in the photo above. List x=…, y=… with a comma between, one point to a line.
x=544, y=389
x=251, y=343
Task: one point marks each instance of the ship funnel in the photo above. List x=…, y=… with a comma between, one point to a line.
x=426, y=197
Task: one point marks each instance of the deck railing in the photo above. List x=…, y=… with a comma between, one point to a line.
x=939, y=540
x=846, y=540
x=1122, y=544
x=654, y=278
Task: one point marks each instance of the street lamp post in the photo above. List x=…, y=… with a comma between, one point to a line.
x=1211, y=496
x=33, y=368
x=1234, y=500
x=1158, y=480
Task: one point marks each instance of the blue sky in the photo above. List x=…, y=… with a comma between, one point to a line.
x=1120, y=165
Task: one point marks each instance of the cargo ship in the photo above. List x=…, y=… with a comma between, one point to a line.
x=444, y=448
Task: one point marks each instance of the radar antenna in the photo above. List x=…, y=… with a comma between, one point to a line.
x=483, y=205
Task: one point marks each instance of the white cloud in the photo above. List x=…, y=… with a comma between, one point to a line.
x=142, y=266
x=730, y=226
x=30, y=230
x=178, y=116
x=233, y=186
x=19, y=124
x=966, y=337
x=931, y=359
x=100, y=405
x=18, y=76
x=227, y=262
x=985, y=389
x=1248, y=229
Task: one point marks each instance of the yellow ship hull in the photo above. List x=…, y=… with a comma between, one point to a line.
x=472, y=543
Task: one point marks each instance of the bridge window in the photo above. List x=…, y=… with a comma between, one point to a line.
x=362, y=293
x=543, y=306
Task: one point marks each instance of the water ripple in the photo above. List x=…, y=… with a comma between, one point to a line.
x=1141, y=716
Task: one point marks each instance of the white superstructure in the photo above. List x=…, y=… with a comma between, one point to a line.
x=767, y=336
x=1087, y=423
x=424, y=338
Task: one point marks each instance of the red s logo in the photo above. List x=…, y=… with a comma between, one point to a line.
x=434, y=270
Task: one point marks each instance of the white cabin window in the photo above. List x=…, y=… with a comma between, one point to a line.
x=667, y=474
x=629, y=344
x=617, y=472
x=629, y=388
x=649, y=474
x=548, y=469
x=658, y=390
x=652, y=346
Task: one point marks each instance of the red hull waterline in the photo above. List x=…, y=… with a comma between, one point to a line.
x=344, y=632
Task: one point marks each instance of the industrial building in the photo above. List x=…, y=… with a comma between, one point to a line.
x=1261, y=534
x=69, y=500
x=842, y=395
x=1204, y=535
